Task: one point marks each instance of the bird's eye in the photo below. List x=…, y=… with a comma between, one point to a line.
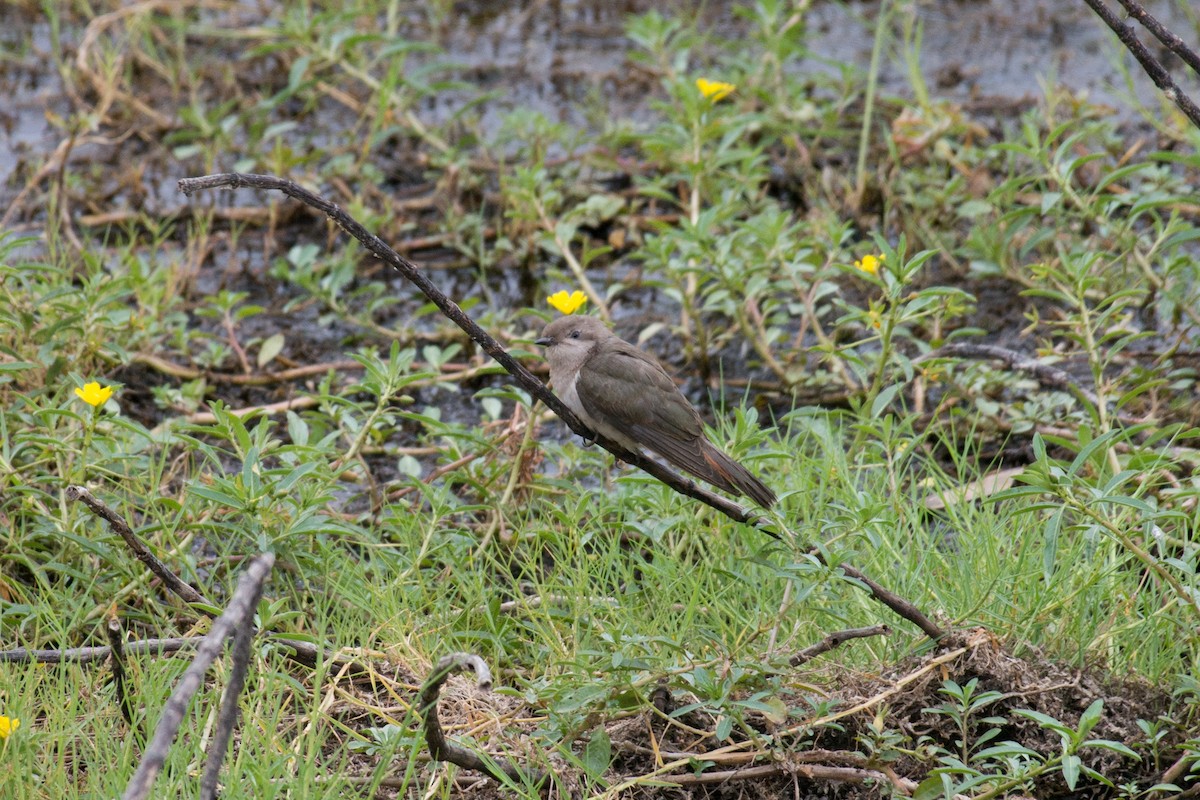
x=574, y=334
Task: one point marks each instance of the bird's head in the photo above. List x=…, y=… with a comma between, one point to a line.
x=572, y=337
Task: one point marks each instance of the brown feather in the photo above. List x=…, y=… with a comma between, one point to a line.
x=627, y=391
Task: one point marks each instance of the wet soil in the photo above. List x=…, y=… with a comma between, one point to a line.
x=570, y=61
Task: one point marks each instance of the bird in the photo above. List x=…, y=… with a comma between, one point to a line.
x=624, y=394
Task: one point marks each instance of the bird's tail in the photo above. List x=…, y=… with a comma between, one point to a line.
x=731, y=476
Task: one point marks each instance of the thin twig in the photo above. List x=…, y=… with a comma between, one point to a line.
x=836, y=639
x=893, y=601
x=260, y=379
x=302, y=652
x=1173, y=42
x=228, y=716
x=86, y=655
x=1151, y=65
x=143, y=554
x=239, y=613
x=819, y=772
x=442, y=750
x=112, y=630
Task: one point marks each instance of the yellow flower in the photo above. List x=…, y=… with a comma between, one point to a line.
x=94, y=394
x=8, y=725
x=870, y=264
x=716, y=91
x=567, y=303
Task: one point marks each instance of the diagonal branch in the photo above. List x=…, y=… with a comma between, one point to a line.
x=238, y=614
x=1172, y=42
x=1152, y=66
x=237, y=180
x=302, y=652
x=143, y=554
x=527, y=380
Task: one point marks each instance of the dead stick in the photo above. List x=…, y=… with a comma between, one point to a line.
x=836, y=639
x=113, y=630
x=239, y=612
x=810, y=771
x=143, y=554
x=892, y=600
x=442, y=750
x=304, y=653
x=1173, y=42
x=1151, y=65
x=86, y=655
x=228, y=716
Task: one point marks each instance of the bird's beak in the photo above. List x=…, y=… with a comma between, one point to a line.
x=545, y=341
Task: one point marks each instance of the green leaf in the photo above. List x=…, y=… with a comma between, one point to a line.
x=1109, y=744
x=932, y=788
x=1005, y=749
x=297, y=428
x=1130, y=502
x=1090, y=717
x=1045, y=720
x=1039, y=447
x=598, y=753
x=1070, y=771
x=271, y=347
x=17, y=366
x=1086, y=453
x=292, y=477
x=1096, y=776
x=1050, y=545
x=883, y=400
x=724, y=728
x=216, y=496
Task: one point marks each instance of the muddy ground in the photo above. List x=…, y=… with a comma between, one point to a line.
x=991, y=58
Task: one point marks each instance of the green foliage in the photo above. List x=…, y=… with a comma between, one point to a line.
x=418, y=506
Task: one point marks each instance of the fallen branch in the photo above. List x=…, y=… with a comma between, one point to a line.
x=1045, y=374
x=143, y=554
x=86, y=655
x=815, y=772
x=304, y=653
x=227, y=718
x=836, y=639
x=435, y=739
x=238, y=614
x=895, y=602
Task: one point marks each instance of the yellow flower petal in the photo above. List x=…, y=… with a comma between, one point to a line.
x=715, y=91
x=567, y=303
x=94, y=394
x=870, y=264
x=8, y=725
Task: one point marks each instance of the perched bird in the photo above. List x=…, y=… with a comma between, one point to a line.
x=625, y=395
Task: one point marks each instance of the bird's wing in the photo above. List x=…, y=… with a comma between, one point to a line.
x=631, y=391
